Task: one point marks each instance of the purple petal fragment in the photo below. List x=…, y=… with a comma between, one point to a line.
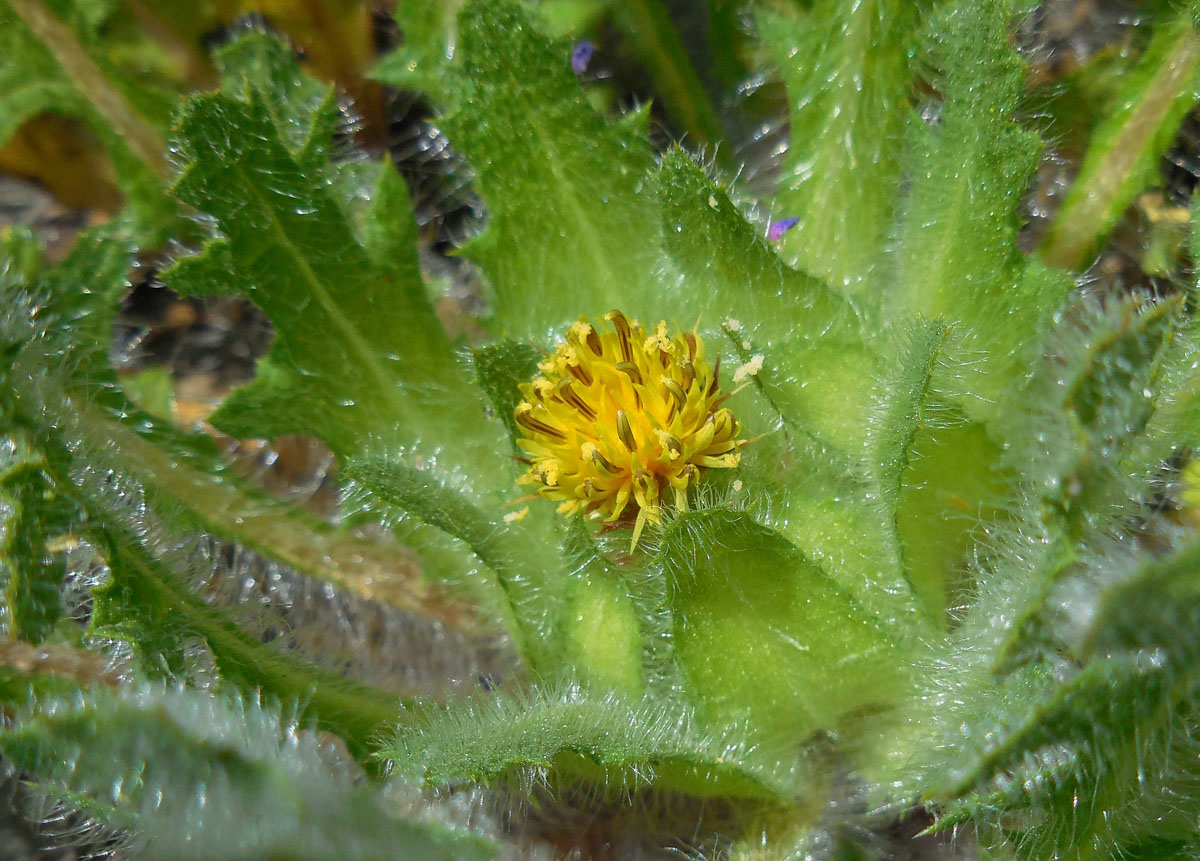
x=780, y=227
x=581, y=55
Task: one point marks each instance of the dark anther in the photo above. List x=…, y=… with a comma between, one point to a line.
x=625, y=432
x=622, y=326
x=580, y=373
x=570, y=396
x=676, y=392
x=631, y=371
x=604, y=463
x=689, y=374
x=593, y=342
x=526, y=420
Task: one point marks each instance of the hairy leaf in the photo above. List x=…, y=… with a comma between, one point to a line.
x=808, y=335
x=422, y=62
x=956, y=259
x=763, y=635
x=198, y=775
x=61, y=378
x=816, y=376
x=572, y=227
x=846, y=70
x=500, y=367
x=614, y=743
x=1114, y=736
x=359, y=358
x=69, y=417
x=347, y=364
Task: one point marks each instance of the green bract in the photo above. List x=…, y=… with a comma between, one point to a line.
x=948, y=571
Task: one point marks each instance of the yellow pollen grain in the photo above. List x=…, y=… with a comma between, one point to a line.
x=749, y=369
x=659, y=341
x=516, y=516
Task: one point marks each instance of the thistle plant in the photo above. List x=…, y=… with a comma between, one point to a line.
x=893, y=532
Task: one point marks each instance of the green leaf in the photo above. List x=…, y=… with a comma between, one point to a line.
x=44, y=66
x=910, y=403
x=197, y=775
x=60, y=378
x=611, y=743
x=1124, y=152
x=817, y=376
x=452, y=512
x=611, y=646
x=808, y=335
x=572, y=225
x=359, y=357
x=36, y=516
x=147, y=603
x=389, y=235
x=499, y=368
x=1085, y=411
x=1093, y=401
x=762, y=633
x=356, y=359
x=957, y=260
x=423, y=62
x=303, y=111
x=88, y=450
x=905, y=403
x=937, y=472
x=528, y=574
x=958, y=230
x=952, y=492
x=1069, y=771
x=845, y=66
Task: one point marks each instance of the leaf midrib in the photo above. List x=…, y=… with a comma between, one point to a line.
x=367, y=356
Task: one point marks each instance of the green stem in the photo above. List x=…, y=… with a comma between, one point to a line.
x=1125, y=149
x=657, y=43
x=142, y=139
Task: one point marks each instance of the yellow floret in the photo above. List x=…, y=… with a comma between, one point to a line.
x=620, y=418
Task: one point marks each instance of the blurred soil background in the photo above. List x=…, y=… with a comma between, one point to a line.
x=185, y=355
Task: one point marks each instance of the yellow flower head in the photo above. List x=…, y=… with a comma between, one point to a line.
x=619, y=419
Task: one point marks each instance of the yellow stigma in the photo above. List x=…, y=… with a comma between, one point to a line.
x=621, y=420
